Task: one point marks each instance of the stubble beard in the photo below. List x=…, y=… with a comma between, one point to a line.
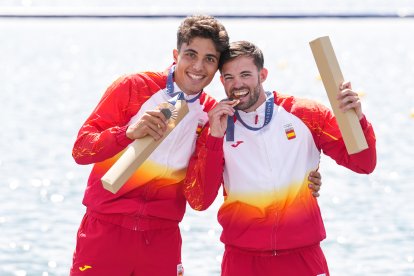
x=253, y=98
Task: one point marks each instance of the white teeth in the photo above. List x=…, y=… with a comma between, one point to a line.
x=196, y=77
x=240, y=93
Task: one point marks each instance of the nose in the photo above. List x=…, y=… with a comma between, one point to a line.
x=198, y=65
x=237, y=83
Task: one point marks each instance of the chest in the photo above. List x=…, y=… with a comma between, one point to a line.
x=175, y=150
x=275, y=155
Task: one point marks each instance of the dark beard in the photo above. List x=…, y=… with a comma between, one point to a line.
x=253, y=98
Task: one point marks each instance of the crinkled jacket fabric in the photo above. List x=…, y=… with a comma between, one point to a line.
x=155, y=189
x=267, y=202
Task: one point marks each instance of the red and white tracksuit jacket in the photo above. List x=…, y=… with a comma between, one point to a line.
x=155, y=190
x=267, y=203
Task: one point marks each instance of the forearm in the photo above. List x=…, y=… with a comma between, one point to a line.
x=366, y=159
x=103, y=134
x=363, y=162
x=94, y=146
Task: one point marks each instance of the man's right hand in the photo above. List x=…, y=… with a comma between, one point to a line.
x=218, y=117
x=349, y=99
x=152, y=123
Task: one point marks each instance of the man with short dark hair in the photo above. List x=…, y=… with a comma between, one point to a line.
x=261, y=146
x=135, y=231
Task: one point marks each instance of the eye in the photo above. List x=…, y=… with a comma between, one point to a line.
x=190, y=54
x=245, y=75
x=211, y=59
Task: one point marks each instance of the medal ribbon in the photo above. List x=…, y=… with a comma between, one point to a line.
x=268, y=118
x=177, y=95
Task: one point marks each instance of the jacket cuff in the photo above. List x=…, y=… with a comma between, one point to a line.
x=121, y=138
x=214, y=143
x=364, y=122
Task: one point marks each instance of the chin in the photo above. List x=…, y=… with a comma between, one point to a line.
x=193, y=92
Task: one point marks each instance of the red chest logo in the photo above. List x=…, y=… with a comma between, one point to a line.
x=235, y=145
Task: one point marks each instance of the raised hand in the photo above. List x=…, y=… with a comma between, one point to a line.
x=349, y=99
x=218, y=117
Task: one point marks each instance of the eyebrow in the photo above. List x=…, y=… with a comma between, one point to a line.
x=245, y=72
x=191, y=50
x=195, y=52
x=241, y=73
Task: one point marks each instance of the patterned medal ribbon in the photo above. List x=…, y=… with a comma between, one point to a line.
x=268, y=118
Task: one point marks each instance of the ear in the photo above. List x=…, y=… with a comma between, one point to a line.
x=175, y=55
x=263, y=74
x=221, y=79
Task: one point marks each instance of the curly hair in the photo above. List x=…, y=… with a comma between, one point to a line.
x=204, y=26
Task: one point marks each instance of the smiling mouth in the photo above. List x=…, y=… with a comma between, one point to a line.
x=240, y=93
x=195, y=77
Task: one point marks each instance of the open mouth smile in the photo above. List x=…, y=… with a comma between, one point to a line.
x=195, y=77
x=237, y=94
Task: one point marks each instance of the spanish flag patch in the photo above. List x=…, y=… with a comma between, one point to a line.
x=290, y=132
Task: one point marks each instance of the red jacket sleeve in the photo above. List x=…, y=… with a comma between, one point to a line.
x=332, y=144
x=103, y=134
x=205, y=171
x=327, y=136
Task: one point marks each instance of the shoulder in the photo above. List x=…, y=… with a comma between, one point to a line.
x=150, y=80
x=207, y=101
x=138, y=85
x=312, y=113
x=298, y=106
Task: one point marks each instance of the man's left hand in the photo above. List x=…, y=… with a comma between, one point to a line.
x=315, y=179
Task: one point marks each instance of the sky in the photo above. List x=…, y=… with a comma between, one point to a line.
x=217, y=6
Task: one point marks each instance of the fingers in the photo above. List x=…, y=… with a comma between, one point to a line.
x=316, y=181
x=152, y=123
x=349, y=99
x=223, y=108
x=345, y=85
x=153, y=131
x=157, y=118
x=218, y=117
x=220, y=110
x=233, y=103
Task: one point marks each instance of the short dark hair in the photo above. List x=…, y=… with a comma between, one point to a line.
x=204, y=26
x=242, y=48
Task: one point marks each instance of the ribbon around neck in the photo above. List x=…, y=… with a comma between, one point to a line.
x=268, y=117
x=177, y=95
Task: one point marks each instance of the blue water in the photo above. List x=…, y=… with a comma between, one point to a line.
x=53, y=72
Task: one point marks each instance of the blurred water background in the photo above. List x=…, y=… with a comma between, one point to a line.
x=54, y=71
